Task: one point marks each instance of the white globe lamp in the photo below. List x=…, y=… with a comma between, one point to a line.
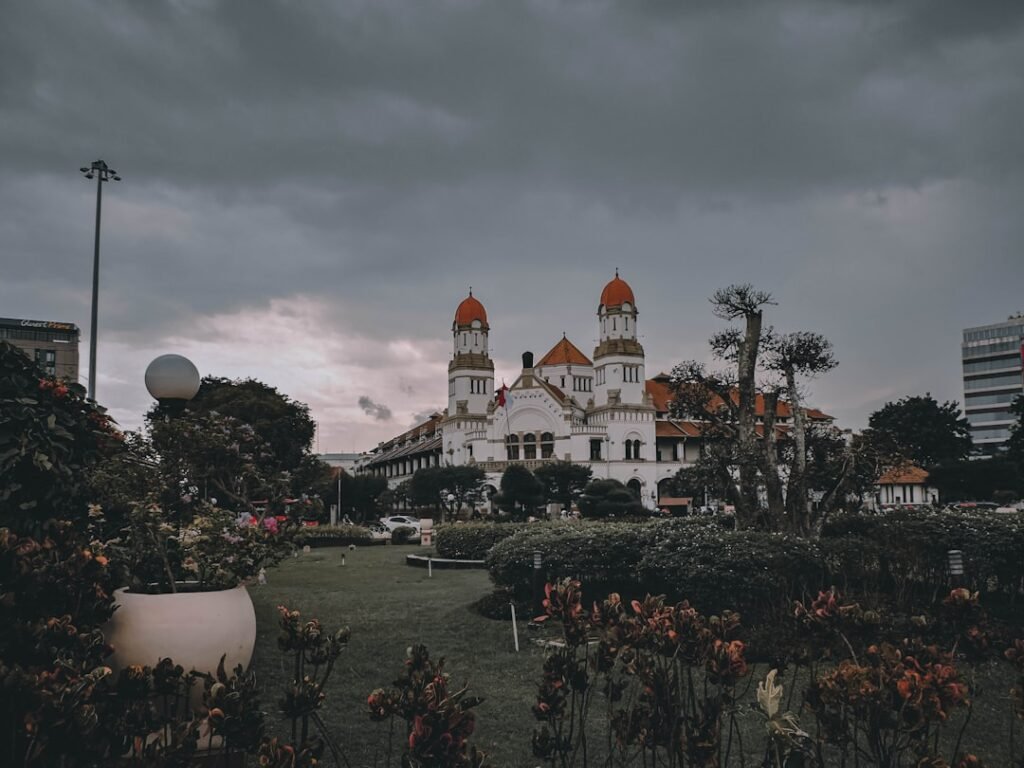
x=172, y=378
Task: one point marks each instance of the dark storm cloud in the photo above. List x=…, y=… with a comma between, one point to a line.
x=862, y=160
x=378, y=411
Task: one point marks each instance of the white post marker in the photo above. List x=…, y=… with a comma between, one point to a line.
x=343, y=559
x=515, y=629
x=430, y=567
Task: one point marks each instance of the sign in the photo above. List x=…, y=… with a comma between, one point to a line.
x=44, y=325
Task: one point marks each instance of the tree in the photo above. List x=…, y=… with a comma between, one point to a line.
x=361, y=495
x=921, y=431
x=793, y=355
x=563, y=481
x=1015, y=445
x=995, y=479
x=726, y=400
x=284, y=424
x=609, y=498
x=465, y=483
x=425, y=488
x=520, y=492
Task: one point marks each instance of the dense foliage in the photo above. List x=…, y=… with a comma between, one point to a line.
x=521, y=493
x=473, y=541
x=920, y=430
x=334, y=535
x=609, y=498
x=563, y=481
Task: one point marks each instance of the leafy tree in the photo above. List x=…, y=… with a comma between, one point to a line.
x=395, y=498
x=793, y=355
x=465, y=483
x=520, y=491
x=282, y=423
x=563, y=481
x=996, y=479
x=316, y=478
x=1015, y=445
x=919, y=430
x=843, y=471
x=425, y=488
x=609, y=498
x=361, y=496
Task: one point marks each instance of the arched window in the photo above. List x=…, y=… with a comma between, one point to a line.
x=547, y=445
x=629, y=449
x=529, y=446
x=512, y=447
x=636, y=449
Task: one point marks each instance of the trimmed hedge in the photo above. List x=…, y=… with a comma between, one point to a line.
x=334, y=535
x=473, y=541
x=900, y=557
x=912, y=548
x=604, y=555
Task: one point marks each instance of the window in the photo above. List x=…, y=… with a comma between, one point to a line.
x=512, y=447
x=631, y=373
x=563, y=382
x=632, y=449
x=529, y=446
x=1005, y=380
x=629, y=449
x=626, y=321
x=478, y=386
x=595, y=449
x=47, y=360
x=600, y=375
x=547, y=445
x=451, y=387
x=613, y=323
x=992, y=365
x=581, y=384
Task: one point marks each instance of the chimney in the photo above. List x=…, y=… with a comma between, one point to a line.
x=527, y=361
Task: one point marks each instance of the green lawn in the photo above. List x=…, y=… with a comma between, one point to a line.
x=389, y=606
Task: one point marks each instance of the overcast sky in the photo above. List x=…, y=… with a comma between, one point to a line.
x=311, y=187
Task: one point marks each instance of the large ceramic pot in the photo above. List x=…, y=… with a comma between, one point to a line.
x=193, y=628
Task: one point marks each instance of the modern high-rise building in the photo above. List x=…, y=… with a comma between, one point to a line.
x=992, y=357
x=53, y=345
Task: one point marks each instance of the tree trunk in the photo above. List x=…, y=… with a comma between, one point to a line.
x=798, y=501
x=747, y=436
x=770, y=448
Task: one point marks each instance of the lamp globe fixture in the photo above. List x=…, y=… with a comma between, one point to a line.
x=172, y=377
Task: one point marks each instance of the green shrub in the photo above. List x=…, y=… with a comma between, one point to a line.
x=473, y=541
x=752, y=572
x=404, y=534
x=334, y=535
x=912, y=549
x=603, y=555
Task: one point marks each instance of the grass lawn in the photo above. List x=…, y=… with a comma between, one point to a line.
x=389, y=606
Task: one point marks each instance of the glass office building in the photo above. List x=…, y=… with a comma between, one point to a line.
x=991, y=357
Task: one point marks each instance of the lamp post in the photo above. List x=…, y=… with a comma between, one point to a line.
x=101, y=172
x=172, y=380
x=451, y=503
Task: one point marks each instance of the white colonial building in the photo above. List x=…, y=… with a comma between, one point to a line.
x=603, y=413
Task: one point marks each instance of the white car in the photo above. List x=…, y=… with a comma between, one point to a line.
x=378, y=532
x=400, y=521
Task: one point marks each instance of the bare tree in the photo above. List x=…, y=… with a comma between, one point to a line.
x=792, y=355
x=726, y=402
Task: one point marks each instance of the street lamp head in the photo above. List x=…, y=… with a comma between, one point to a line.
x=84, y=169
x=172, y=377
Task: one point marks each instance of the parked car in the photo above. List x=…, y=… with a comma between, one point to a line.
x=399, y=521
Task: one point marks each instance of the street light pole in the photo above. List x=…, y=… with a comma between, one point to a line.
x=102, y=172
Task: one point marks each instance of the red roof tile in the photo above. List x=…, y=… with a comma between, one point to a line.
x=564, y=353
x=909, y=475
x=469, y=310
x=616, y=293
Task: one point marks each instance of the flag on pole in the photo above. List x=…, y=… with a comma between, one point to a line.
x=503, y=398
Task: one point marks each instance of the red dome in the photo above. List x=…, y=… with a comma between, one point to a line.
x=469, y=310
x=616, y=293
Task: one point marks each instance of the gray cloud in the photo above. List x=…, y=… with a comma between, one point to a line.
x=859, y=159
x=379, y=411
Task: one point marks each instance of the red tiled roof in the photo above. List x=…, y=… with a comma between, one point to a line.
x=616, y=293
x=662, y=396
x=909, y=475
x=564, y=353
x=469, y=310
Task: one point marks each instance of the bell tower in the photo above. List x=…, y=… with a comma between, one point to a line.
x=471, y=370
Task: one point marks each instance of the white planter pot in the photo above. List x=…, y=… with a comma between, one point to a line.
x=194, y=629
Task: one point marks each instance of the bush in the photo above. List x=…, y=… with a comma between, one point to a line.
x=603, y=555
x=912, y=549
x=474, y=541
x=404, y=534
x=334, y=535
x=753, y=572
